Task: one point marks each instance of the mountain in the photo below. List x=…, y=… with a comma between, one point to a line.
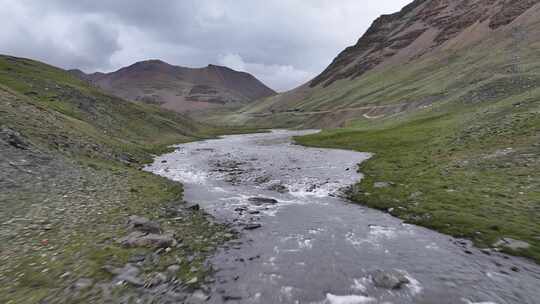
x=445, y=94
x=429, y=52
x=70, y=178
x=178, y=88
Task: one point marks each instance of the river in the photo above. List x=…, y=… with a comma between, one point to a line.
x=301, y=242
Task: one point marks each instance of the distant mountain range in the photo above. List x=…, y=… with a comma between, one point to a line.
x=178, y=88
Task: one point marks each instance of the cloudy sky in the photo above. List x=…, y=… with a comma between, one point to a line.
x=282, y=42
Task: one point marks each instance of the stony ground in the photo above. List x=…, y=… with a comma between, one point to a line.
x=61, y=223
x=71, y=180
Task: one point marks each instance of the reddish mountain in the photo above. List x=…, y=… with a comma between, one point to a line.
x=179, y=88
x=418, y=29
x=430, y=52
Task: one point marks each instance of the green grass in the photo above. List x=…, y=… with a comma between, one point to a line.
x=87, y=149
x=448, y=171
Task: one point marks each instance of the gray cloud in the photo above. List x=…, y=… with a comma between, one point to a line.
x=283, y=43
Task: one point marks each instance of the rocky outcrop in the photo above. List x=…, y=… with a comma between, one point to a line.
x=510, y=10
x=428, y=24
x=13, y=138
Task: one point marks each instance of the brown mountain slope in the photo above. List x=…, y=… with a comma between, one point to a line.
x=181, y=89
x=420, y=28
x=431, y=51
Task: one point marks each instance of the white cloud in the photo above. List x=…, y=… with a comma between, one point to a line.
x=233, y=61
x=279, y=76
x=284, y=43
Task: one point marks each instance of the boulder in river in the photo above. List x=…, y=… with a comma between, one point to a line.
x=278, y=188
x=252, y=226
x=259, y=201
x=389, y=279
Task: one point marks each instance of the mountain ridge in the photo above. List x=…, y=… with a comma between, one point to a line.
x=440, y=20
x=178, y=88
x=395, y=63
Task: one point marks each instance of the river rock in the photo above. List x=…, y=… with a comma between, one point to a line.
x=195, y=207
x=278, y=188
x=259, y=201
x=152, y=240
x=389, y=279
x=143, y=224
x=252, y=226
x=512, y=244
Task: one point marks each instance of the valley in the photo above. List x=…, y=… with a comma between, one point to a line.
x=407, y=171
x=301, y=240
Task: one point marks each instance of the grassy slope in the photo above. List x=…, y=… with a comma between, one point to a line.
x=79, y=180
x=441, y=77
x=452, y=169
x=446, y=157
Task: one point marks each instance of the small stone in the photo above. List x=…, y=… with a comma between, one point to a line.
x=195, y=207
x=143, y=224
x=139, y=239
x=192, y=281
x=128, y=274
x=486, y=251
x=83, y=284
x=198, y=297
x=278, y=188
x=136, y=258
x=173, y=269
x=252, y=226
x=259, y=201
x=512, y=244
x=65, y=275
x=158, y=279
x=231, y=298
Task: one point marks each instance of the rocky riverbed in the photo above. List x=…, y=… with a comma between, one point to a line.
x=301, y=242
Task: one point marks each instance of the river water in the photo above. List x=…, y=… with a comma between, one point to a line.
x=313, y=246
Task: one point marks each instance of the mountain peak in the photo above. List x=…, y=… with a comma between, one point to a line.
x=181, y=88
